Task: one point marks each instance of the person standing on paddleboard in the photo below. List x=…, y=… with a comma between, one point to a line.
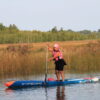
x=58, y=61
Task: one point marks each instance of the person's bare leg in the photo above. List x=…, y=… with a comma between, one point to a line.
x=62, y=75
x=57, y=75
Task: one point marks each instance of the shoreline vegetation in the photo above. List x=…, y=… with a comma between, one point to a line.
x=11, y=34
x=22, y=53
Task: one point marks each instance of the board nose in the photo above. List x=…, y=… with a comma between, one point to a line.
x=8, y=84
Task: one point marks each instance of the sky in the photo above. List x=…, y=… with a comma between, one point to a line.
x=45, y=14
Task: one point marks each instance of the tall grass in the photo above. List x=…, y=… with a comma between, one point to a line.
x=20, y=61
x=85, y=58
x=29, y=59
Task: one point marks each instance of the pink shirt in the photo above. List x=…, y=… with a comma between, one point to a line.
x=59, y=57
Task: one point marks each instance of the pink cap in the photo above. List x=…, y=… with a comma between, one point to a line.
x=56, y=46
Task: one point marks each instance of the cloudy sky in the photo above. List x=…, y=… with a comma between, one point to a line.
x=45, y=14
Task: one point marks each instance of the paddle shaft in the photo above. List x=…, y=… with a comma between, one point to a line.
x=46, y=67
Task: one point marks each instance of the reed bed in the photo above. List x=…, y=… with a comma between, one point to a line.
x=38, y=36
x=29, y=59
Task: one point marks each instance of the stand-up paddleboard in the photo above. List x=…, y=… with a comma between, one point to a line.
x=37, y=83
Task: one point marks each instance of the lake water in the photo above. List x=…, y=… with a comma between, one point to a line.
x=68, y=92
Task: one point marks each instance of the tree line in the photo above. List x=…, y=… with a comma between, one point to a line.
x=12, y=34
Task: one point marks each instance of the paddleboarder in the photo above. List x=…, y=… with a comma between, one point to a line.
x=59, y=62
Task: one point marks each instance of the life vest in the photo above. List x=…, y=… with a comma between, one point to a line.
x=59, y=57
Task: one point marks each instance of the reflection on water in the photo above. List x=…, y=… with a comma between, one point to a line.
x=60, y=93
x=69, y=92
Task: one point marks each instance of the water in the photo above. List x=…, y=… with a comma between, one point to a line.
x=69, y=92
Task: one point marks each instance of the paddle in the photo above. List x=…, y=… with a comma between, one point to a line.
x=46, y=66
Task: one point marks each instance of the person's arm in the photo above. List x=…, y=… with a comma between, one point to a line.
x=50, y=49
x=57, y=55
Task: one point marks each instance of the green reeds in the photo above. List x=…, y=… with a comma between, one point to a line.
x=38, y=36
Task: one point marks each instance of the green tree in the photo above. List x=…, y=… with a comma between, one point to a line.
x=85, y=31
x=2, y=27
x=61, y=29
x=54, y=29
x=98, y=30
x=13, y=28
x=70, y=30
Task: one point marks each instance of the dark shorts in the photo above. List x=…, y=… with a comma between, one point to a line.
x=59, y=65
